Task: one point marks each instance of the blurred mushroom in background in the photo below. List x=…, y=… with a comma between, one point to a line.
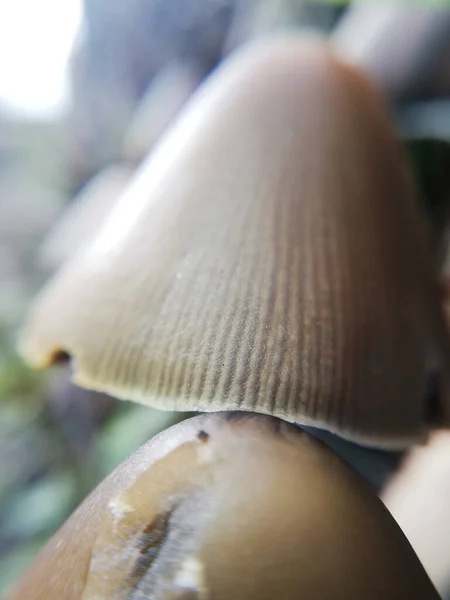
x=166, y=95
x=405, y=49
x=419, y=499
x=123, y=47
x=81, y=221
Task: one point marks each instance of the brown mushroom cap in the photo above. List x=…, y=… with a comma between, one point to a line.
x=229, y=506
x=268, y=257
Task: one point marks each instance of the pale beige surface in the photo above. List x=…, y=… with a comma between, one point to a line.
x=269, y=257
x=229, y=507
x=167, y=93
x=83, y=218
x=419, y=499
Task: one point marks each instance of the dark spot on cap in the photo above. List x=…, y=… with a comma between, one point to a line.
x=59, y=357
x=203, y=436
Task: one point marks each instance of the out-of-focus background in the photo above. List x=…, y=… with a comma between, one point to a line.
x=86, y=89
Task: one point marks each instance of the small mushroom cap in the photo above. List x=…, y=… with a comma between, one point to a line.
x=82, y=220
x=167, y=93
x=269, y=256
x=229, y=506
x=405, y=49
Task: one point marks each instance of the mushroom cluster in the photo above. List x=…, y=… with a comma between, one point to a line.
x=269, y=257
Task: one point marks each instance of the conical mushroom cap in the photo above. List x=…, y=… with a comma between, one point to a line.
x=268, y=257
x=247, y=508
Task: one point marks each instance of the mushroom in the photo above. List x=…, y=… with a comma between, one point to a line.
x=167, y=93
x=405, y=49
x=80, y=222
x=270, y=256
x=229, y=506
x=418, y=496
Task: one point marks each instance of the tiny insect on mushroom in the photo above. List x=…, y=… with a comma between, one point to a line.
x=269, y=257
x=229, y=506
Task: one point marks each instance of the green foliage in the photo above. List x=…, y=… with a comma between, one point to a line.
x=16, y=561
x=42, y=507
